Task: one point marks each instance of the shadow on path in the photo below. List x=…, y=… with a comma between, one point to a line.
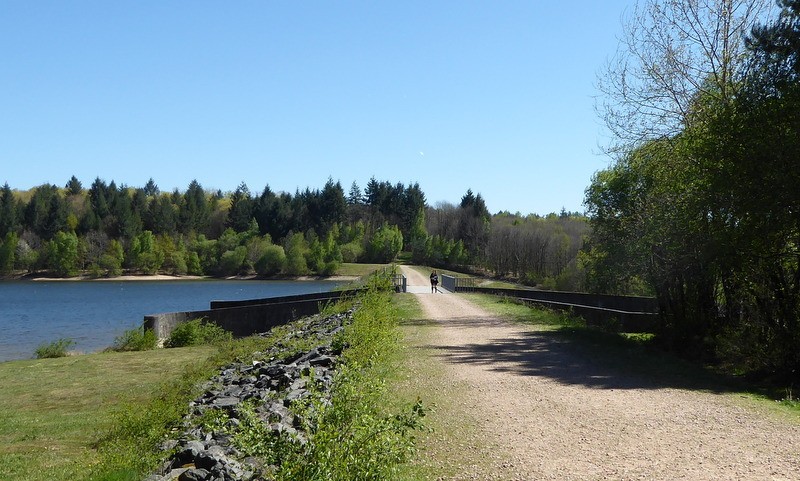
x=579, y=357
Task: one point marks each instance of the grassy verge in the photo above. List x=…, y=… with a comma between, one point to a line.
x=450, y=441
x=54, y=410
x=359, y=432
x=358, y=270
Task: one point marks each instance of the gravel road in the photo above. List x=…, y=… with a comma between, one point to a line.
x=543, y=412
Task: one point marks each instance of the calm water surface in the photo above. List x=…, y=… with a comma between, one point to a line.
x=94, y=313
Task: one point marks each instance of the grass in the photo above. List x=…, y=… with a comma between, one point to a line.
x=362, y=433
x=358, y=270
x=55, y=410
x=451, y=440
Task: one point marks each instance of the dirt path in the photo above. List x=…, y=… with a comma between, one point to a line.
x=543, y=412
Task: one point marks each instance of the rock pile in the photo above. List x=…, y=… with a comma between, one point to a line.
x=268, y=385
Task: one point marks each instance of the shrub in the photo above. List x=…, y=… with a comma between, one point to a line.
x=351, y=251
x=272, y=261
x=111, y=265
x=136, y=339
x=231, y=261
x=54, y=349
x=196, y=332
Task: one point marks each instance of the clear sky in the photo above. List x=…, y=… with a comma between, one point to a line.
x=496, y=96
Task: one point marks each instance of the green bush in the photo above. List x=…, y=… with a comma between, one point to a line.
x=136, y=339
x=351, y=251
x=196, y=332
x=272, y=262
x=53, y=349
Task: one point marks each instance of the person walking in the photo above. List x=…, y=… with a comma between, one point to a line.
x=434, y=282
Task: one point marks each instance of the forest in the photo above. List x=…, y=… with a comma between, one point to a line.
x=107, y=229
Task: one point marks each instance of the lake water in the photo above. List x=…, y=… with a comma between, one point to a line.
x=94, y=313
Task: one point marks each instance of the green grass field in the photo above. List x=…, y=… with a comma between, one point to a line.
x=55, y=410
x=358, y=270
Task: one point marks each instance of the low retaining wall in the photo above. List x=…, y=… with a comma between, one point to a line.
x=244, y=318
x=318, y=296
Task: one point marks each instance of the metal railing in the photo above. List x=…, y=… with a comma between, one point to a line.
x=631, y=313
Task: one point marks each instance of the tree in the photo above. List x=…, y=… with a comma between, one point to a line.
x=74, y=186
x=146, y=254
x=670, y=52
x=9, y=211
x=8, y=252
x=111, y=260
x=776, y=49
x=332, y=207
x=272, y=262
x=195, y=211
x=151, y=189
x=231, y=261
x=354, y=197
x=62, y=254
x=473, y=224
x=296, y=248
x=385, y=244
x=241, y=210
x=161, y=215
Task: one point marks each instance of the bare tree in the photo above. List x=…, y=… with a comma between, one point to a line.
x=671, y=53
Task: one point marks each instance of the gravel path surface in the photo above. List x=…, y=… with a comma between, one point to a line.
x=543, y=412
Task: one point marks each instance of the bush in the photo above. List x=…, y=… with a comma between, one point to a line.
x=136, y=339
x=230, y=264
x=54, y=349
x=111, y=265
x=351, y=252
x=197, y=332
x=272, y=262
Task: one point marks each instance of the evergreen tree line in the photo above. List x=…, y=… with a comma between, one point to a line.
x=707, y=218
x=107, y=229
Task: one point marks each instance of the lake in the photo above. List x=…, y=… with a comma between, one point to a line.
x=94, y=313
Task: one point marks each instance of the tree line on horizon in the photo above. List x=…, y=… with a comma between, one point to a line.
x=107, y=229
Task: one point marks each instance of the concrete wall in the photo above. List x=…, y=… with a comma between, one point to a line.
x=244, y=318
x=318, y=296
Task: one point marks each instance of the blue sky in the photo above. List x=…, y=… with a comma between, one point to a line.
x=492, y=96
